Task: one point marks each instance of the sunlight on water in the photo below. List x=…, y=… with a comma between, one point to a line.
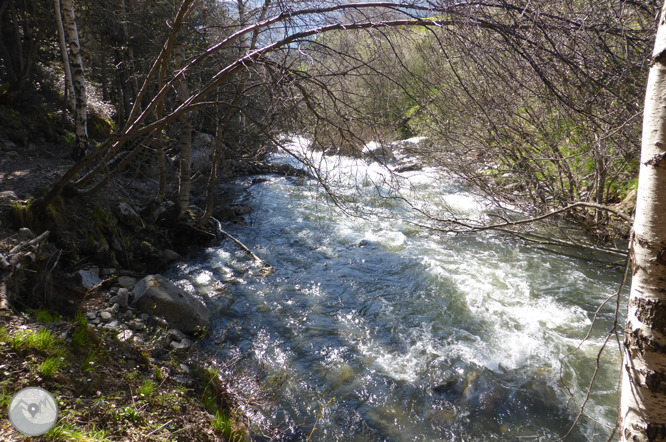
x=419, y=336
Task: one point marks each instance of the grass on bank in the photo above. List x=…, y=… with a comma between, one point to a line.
x=108, y=390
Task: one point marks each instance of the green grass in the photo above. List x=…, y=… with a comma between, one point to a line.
x=224, y=425
x=64, y=432
x=147, y=388
x=43, y=315
x=41, y=340
x=90, y=362
x=52, y=365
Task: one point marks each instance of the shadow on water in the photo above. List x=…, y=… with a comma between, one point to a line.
x=408, y=354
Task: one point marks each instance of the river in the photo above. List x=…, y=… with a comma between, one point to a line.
x=395, y=333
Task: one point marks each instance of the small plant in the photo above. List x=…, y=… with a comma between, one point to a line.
x=224, y=425
x=51, y=365
x=42, y=340
x=64, y=432
x=147, y=388
x=129, y=414
x=159, y=376
x=43, y=315
x=88, y=365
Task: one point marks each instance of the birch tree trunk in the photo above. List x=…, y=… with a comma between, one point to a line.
x=78, y=80
x=69, y=86
x=643, y=401
x=185, y=136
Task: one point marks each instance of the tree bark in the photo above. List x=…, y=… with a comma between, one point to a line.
x=186, y=134
x=78, y=80
x=643, y=401
x=69, y=86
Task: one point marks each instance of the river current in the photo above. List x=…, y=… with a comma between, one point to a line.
x=390, y=332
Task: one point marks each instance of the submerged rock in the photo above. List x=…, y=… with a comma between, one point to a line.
x=156, y=295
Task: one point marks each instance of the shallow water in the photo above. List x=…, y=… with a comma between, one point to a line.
x=417, y=335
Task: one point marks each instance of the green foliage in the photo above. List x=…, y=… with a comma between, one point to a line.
x=147, y=388
x=43, y=315
x=90, y=362
x=129, y=414
x=52, y=364
x=41, y=340
x=226, y=426
x=66, y=432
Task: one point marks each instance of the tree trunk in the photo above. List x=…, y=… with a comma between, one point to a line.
x=78, y=80
x=185, y=136
x=643, y=402
x=70, y=95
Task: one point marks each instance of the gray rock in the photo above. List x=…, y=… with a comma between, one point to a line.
x=171, y=256
x=185, y=344
x=138, y=339
x=125, y=335
x=95, y=322
x=105, y=316
x=176, y=335
x=136, y=325
x=144, y=316
x=88, y=278
x=113, y=324
x=26, y=233
x=114, y=290
x=122, y=298
x=159, y=353
x=32, y=147
x=156, y=295
x=129, y=217
x=115, y=308
x=8, y=194
x=182, y=379
x=126, y=281
x=91, y=316
x=185, y=368
x=107, y=271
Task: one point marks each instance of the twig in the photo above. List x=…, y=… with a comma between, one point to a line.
x=158, y=429
x=240, y=244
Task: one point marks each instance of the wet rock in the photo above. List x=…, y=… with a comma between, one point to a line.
x=156, y=295
x=366, y=243
x=375, y=151
x=409, y=167
x=126, y=281
x=224, y=214
x=88, y=279
x=170, y=256
x=259, y=180
x=129, y=217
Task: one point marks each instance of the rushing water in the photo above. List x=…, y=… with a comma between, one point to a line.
x=416, y=335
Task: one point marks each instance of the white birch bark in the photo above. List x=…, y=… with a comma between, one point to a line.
x=69, y=86
x=643, y=401
x=186, y=134
x=78, y=80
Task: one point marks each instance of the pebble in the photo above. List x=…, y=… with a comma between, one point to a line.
x=138, y=339
x=185, y=344
x=185, y=368
x=115, y=308
x=105, y=316
x=144, y=316
x=95, y=321
x=113, y=324
x=114, y=290
x=91, y=316
x=125, y=335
